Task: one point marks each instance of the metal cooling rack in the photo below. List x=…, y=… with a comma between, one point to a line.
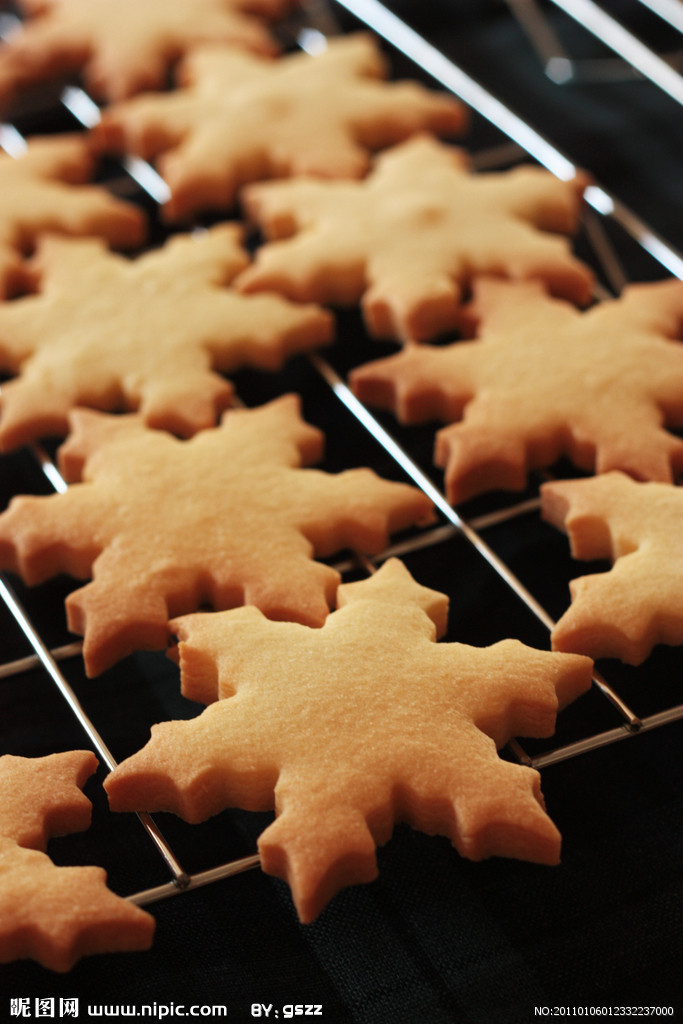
x=633, y=57
x=518, y=140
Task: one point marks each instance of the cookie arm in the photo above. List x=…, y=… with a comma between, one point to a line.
x=514, y=690
x=399, y=110
x=363, y=510
x=541, y=198
x=316, y=864
x=43, y=536
x=315, y=266
x=261, y=330
x=274, y=432
x=419, y=384
x=503, y=813
x=569, y=506
x=56, y=915
x=41, y=797
x=622, y=613
x=197, y=768
x=656, y=307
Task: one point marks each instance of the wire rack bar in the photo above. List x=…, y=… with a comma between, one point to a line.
x=540, y=32
x=669, y=10
x=558, y=65
x=11, y=140
x=31, y=661
x=621, y=41
x=605, y=251
x=86, y=111
x=365, y=417
x=603, y=739
x=67, y=692
x=641, y=233
x=162, y=892
x=45, y=658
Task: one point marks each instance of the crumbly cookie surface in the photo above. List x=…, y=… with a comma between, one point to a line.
x=45, y=190
x=350, y=728
x=155, y=333
x=125, y=46
x=165, y=526
x=638, y=603
x=542, y=380
x=51, y=914
x=409, y=238
x=237, y=118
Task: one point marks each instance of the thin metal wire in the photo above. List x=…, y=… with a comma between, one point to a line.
x=44, y=656
x=539, y=30
x=556, y=62
x=27, y=664
x=49, y=469
x=98, y=743
x=603, y=739
x=87, y=113
x=346, y=396
x=162, y=892
x=11, y=140
x=605, y=252
x=669, y=10
x=609, y=31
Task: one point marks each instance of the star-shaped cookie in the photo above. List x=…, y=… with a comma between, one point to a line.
x=348, y=729
x=166, y=526
x=543, y=380
x=239, y=118
x=410, y=237
x=125, y=46
x=625, y=612
x=44, y=190
x=148, y=334
x=55, y=915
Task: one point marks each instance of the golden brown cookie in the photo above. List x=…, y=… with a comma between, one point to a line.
x=544, y=380
x=44, y=190
x=625, y=612
x=125, y=46
x=145, y=334
x=55, y=915
x=166, y=526
x=348, y=729
x=409, y=239
x=240, y=118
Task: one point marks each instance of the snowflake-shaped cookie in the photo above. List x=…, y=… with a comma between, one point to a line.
x=351, y=728
x=410, y=237
x=240, y=118
x=543, y=380
x=145, y=334
x=625, y=612
x=125, y=46
x=44, y=190
x=166, y=526
x=55, y=915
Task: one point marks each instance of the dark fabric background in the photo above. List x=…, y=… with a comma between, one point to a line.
x=435, y=939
